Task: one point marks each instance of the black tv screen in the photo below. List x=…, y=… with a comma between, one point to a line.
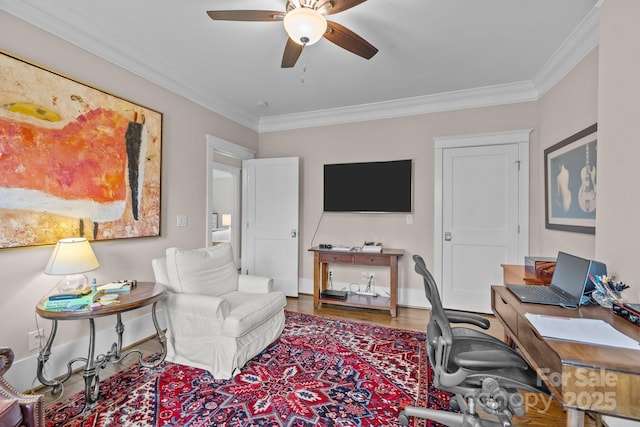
x=368, y=187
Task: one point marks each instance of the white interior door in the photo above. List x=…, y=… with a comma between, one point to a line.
x=482, y=222
x=270, y=228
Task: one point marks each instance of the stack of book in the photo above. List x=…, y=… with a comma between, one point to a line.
x=72, y=301
x=121, y=287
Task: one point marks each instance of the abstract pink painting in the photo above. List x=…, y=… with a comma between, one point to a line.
x=74, y=160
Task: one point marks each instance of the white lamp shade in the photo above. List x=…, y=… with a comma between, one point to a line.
x=226, y=220
x=72, y=256
x=304, y=25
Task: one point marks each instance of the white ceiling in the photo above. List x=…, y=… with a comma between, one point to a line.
x=433, y=54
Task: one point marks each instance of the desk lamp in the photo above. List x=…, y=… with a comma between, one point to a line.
x=72, y=257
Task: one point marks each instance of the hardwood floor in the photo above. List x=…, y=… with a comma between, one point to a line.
x=408, y=318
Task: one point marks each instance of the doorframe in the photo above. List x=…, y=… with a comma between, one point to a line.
x=217, y=145
x=520, y=137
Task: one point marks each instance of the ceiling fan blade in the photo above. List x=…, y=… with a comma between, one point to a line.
x=329, y=7
x=246, y=15
x=347, y=39
x=291, y=54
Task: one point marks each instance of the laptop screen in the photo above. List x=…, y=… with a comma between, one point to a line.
x=570, y=274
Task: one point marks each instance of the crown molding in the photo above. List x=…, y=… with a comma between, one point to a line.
x=456, y=100
x=67, y=25
x=582, y=40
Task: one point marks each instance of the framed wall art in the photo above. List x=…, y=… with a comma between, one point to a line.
x=570, y=170
x=74, y=160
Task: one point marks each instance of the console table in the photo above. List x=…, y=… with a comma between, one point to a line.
x=387, y=258
x=145, y=293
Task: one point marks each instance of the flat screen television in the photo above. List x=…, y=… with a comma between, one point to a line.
x=368, y=187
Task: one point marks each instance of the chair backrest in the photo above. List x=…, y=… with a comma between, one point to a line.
x=439, y=333
x=159, y=266
x=206, y=271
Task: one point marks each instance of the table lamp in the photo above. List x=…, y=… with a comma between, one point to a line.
x=226, y=220
x=72, y=257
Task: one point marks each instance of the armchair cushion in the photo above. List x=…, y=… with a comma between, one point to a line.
x=249, y=310
x=206, y=271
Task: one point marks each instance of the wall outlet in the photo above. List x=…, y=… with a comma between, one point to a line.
x=181, y=221
x=35, y=338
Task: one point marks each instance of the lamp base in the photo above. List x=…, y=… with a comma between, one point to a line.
x=73, y=282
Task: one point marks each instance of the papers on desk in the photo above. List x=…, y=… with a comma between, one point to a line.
x=591, y=331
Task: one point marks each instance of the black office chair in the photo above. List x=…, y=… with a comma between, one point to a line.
x=480, y=371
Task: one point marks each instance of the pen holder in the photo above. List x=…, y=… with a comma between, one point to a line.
x=602, y=299
x=607, y=291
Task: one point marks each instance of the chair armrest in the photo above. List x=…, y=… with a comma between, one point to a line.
x=489, y=359
x=197, y=305
x=254, y=284
x=472, y=319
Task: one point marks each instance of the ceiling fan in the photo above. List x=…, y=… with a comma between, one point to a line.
x=305, y=23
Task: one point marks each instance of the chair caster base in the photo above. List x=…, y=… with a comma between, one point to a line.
x=403, y=419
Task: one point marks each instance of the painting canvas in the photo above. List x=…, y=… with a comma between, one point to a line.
x=74, y=160
x=571, y=182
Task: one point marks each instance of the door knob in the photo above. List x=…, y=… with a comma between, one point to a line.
x=294, y=233
x=447, y=236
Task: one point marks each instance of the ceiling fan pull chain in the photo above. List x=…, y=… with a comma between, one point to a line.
x=304, y=70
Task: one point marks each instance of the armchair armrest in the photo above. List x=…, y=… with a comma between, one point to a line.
x=254, y=284
x=472, y=319
x=196, y=305
x=489, y=359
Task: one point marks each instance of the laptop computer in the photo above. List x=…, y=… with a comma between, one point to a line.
x=569, y=282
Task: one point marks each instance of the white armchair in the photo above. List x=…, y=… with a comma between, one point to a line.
x=217, y=319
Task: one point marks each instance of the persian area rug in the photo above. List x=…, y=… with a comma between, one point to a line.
x=320, y=372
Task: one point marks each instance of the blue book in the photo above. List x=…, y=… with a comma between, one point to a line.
x=59, y=297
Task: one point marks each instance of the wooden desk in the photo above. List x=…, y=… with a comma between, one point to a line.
x=517, y=274
x=581, y=376
x=144, y=294
x=387, y=258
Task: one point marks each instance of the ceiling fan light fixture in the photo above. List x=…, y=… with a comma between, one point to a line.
x=304, y=25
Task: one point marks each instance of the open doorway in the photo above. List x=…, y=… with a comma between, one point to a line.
x=224, y=197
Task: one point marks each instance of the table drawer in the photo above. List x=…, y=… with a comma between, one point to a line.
x=343, y=258
x=504, y=310
x=368, y=259
x=548, y=362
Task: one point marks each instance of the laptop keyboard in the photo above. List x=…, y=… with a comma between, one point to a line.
x=546, y=293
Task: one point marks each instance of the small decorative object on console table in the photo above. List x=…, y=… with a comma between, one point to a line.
x=371, y=247
x=386, y=258
x=519, y=275
x=144, y=294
